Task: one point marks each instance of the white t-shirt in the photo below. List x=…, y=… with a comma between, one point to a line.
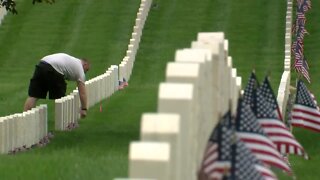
x=66, y=65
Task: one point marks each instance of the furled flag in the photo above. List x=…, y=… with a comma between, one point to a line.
x=227, y=157
x=301, y=19
x=300, y=61
x=297, y=50
x=217, y=161
x=304, y=70
x=250, y=131
x=275, y=128
x=245, y=165
x=250, y=89
x=300, y=33
x=303, y=5
x=270, y=97
x=305, y=111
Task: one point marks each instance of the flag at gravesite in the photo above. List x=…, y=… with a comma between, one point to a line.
x=245, y=165
x=300, y=61
x=216, y=162
x=275, y=128
x=249, y=89
x=303, y=5
x=270, y=97
x=249, y=131
x=305, y=112
x=301, y=64
x=226, y=157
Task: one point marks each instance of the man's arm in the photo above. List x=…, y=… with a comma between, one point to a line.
x=83, y=98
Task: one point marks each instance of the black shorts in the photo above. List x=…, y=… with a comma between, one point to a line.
x=46, y=79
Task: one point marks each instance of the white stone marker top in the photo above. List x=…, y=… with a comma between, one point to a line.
x=234, y=72
x=226, y=44
x=192, y=55
x=160, y=123
x=182, y=70
x=214, y=47
x=229, y=61
x=210, y=36
x=149, y=151
x=183, y=91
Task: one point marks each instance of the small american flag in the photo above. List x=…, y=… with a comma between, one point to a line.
x=300, y=34
x=217, y=161
x=305, y=111
x=301, y=19
x=245, y=165
x=228, y=158
x=267, y=92
x=300, y=64
x=251, y=132
x=250, y=89
x=275, y=128
x=303, y=5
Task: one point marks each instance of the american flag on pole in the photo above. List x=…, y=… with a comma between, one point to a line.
x=303, y=5
x=250, y=89
x=245, y=165
x=300, y=35
x=250, y=131
x=227, y=157
x=305, y=112
x=217, y=161
x=267, y=92
x=301, y=64
x=300, y=60
x=301, y=19
x=275, y=128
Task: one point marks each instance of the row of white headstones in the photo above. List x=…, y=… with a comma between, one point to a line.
x=200, y=86
x=284, y=87
x=103, y=86
x=21, y=131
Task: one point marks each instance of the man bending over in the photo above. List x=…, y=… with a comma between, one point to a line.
x=49, y=76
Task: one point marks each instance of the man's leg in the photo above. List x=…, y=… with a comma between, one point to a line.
x=30, y=103
x=37, y=88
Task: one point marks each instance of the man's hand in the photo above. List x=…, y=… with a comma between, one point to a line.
x=83, y=98
x=83, y=113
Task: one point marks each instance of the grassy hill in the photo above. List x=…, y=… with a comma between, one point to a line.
x=100, y=31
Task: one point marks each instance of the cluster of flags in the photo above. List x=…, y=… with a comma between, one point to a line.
x=300, y=61
x=305, y=111
x=256, y=139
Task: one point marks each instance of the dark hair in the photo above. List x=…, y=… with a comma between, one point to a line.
x=86, y=61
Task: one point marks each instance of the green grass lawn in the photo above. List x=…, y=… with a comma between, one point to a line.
x=100, y=31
